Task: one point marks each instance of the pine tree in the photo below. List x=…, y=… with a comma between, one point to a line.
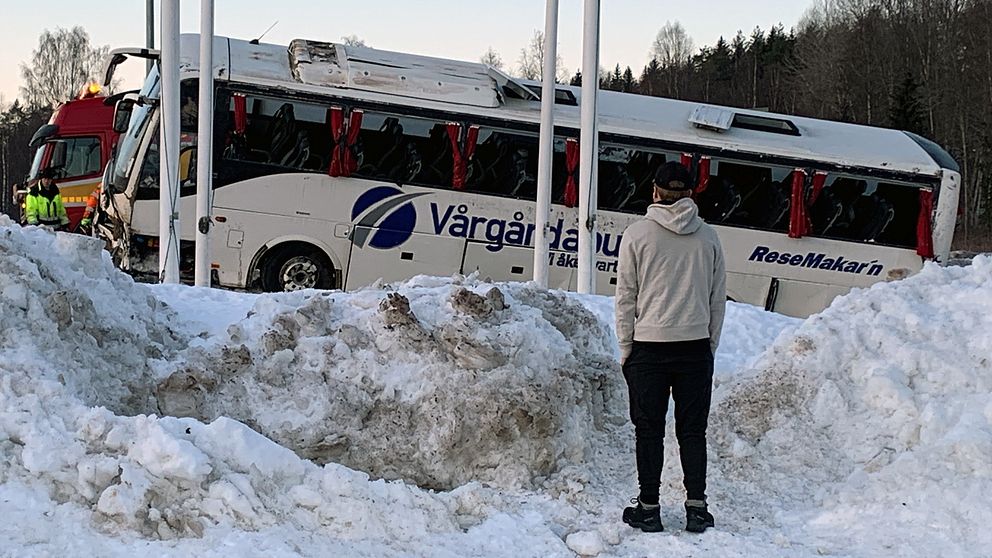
x=628, y=84
x=906, y=112
x=651, y=78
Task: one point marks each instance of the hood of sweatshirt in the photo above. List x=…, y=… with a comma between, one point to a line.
x=682, y=217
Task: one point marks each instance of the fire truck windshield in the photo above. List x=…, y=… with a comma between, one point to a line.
x=39, y=154
x=130, y=141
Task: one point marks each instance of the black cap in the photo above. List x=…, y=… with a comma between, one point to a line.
x=47, y=173
x=673, y=176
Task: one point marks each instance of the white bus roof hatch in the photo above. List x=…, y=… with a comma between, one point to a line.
x=408, y=75
x=712, y=118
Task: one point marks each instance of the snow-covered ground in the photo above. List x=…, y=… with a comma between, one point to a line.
x=453, y=417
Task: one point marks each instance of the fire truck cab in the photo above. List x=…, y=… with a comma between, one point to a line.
x=79, y=140
x=76, y=143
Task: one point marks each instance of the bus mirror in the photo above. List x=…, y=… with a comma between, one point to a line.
x=122, y=115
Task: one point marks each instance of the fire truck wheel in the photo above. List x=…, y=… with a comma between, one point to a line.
x=297, y=267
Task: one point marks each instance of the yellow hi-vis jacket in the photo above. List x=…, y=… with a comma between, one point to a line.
x=44, y=210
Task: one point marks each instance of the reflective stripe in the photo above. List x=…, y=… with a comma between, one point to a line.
x=44, y=210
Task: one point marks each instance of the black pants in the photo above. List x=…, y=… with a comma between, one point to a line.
x=685, y=370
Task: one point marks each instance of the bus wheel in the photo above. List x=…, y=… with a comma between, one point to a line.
x=295, y=268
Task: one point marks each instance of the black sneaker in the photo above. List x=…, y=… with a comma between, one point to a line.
x=697, y=519
x=647, y=520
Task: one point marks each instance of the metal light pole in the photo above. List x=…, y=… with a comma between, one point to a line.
x=168, y=225
x=149, y=31
x=204, y=145
x=589, y=148
x=542, y=250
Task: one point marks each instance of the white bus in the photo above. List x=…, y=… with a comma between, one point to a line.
x=336, y=166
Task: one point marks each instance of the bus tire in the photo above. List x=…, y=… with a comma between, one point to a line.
x=296, y=267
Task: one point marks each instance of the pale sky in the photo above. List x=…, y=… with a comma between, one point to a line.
x=459, y=29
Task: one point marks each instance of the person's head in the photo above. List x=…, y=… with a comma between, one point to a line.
x=672, y=182
x=46, y=177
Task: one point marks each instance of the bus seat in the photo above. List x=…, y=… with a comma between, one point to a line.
x=825, y=212
x=623, y=189
x=772, y=210
x=643, y=166
x=437, y=168
x=521, y=183
x=373, y=145
x=495, y=174
x=282, y=133
x=872, y=215
x=848, y=192
x=299, y=152
x=719, y=201
x=905, y=202
x=391, y=133
x=409, y=165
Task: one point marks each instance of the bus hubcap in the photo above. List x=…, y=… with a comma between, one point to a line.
x=299, y=273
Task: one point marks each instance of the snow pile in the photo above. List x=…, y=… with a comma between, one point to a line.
x=864, y=431
x=55, y=327
x=878, y=412
x=440, y=383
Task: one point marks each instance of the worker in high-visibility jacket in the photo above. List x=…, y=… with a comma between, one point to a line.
x=43, y=205
x=92, y=203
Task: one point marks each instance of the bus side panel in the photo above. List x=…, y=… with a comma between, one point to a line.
x=606, y=276
x=814, y=260
x=749, y=289
x=515, y=263
x=800, y=299
x=421, y=254
x=227, y=239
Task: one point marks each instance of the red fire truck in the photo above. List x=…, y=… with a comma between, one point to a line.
x=79, y=139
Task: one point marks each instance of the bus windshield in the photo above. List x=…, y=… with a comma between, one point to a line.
x=139, y=121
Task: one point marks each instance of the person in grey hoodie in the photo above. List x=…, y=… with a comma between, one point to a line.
x=670, y=299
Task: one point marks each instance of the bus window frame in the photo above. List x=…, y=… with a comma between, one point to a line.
x=643, y=143
x=871, y=187
x=652, y=145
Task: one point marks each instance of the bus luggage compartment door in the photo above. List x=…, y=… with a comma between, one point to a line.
x=800, y=299
x=516, y=263
x=420, y=254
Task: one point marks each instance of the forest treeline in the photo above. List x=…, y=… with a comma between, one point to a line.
x=923, y=66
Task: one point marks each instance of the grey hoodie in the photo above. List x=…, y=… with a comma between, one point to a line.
x=671, y=280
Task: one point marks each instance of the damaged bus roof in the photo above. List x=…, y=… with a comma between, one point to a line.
x=437, y=83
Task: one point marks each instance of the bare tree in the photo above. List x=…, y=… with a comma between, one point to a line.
x=353, y=40
x=492, y=58
x=64, y=61
x=531, y=64
x=672, y=46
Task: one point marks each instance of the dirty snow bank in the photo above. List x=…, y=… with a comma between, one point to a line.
x=872, y=417
x=57, y=328
x=865, y=431
x=440, y=383
x=83, y=347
